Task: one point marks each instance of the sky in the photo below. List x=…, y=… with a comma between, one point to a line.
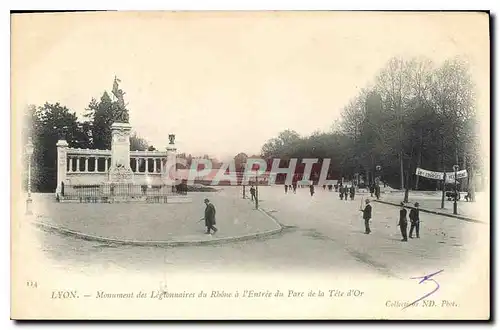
x=225, y=83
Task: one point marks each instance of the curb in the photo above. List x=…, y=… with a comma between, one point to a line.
x=231, y=239
x=266, y=213
x=437, y=213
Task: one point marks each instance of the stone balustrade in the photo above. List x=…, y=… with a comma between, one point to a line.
x=94, y=167
x=99, y=161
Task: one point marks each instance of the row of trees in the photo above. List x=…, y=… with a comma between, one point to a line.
x=48, y=123
x=414, y=114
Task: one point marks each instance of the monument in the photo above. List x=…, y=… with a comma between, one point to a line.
x=171, y=163
x=118, y=174
x=120, y=170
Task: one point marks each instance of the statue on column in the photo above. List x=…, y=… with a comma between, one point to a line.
x=119, y=107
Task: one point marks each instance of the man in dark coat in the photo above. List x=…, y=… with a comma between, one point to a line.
x=352, y=191
x=367, y=215
x=415, y=220
x=377, y=191
x=210, y=216
x=294, y=187
x=252, y=192
x=286, y=188
x=311, y=189
x=341, y=192
x=403, y=223
x=346, y=192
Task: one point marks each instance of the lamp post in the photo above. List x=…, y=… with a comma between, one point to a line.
x=256, y=190
x=243, y=182
x=377, y=181
x=455, y=168
x=29, y=152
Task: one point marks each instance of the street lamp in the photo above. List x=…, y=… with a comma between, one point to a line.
x=29, y=152
x=377, y=181
x=257, y=190
x=243, y=180
x=455, y=168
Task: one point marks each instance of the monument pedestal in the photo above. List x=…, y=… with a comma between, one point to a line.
x=169, y=176
x=120, y=171
x=62, y=151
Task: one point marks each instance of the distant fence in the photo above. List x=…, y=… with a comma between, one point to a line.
x=110, y=192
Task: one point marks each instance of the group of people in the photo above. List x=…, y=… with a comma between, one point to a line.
x=290, y=187
x=345, y=191
x=402, y=223
x=367, y=213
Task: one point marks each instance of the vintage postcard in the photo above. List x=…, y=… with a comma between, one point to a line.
x=250, y=165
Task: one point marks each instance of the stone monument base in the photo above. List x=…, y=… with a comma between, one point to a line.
x=120, y=175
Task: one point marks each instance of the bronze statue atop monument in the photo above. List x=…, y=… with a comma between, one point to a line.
x=120, y=111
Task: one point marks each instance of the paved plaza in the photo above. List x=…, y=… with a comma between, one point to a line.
x=157, y=222
x=322, y=233
x=432, y=201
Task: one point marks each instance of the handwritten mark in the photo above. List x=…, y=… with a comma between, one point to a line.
x=423, y=280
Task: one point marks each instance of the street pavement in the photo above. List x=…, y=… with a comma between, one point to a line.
x=431, y=201
x=156, y=222
x=322, y=234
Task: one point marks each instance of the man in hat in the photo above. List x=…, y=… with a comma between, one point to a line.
x=352, y=191
x=210, y=216
x=403, y=222
x=415, y=220
x=252, y=192
x=367, y=215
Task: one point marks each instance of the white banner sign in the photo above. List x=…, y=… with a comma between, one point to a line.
x=429, y=174
x=450, y=176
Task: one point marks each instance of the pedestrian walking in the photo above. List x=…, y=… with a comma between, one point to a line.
x=377, y=191
x=403, y=223
x=415, y=220
x=341, y=192
x=330, y=187
x=286, y=188
x=210, y=217
x=252, y=192
x=311, y=189
x=372, y=190
x=352, y=191
x=367, y=215
x=346, y=192
x=295, y=187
